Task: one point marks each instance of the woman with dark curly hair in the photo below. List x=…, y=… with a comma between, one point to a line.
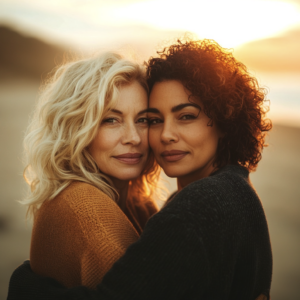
x=211, y=240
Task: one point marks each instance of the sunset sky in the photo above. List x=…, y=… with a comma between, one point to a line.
x=92, y=23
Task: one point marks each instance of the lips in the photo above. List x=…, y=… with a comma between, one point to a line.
x=173, y=155
x=129, y=158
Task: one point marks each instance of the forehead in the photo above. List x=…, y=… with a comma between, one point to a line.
x=171, y=92
x=131, y=97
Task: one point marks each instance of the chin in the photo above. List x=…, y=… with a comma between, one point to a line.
x=173, y=172
x=129, y=176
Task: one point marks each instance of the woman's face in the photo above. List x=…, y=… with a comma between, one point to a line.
x=183, y=143
x=120, y=148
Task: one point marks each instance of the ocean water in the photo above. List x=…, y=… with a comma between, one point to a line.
x=284, y=95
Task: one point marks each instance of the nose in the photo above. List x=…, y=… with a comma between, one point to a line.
x=169, y=133
x=131, y=135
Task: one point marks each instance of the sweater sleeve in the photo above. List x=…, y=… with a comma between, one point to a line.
x=160, y=265
x=108, y=233
x=79, y=235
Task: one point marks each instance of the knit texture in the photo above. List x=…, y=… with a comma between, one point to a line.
x=210, y=242
x=79, y=234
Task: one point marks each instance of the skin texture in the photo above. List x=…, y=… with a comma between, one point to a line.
x=179, y=123
x=123, y=130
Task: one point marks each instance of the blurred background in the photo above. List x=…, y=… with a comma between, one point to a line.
x=37, y=35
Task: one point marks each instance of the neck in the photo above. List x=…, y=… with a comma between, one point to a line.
x=183, y=181
x=122, y=188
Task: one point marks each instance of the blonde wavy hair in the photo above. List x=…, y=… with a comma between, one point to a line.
x=71, y=106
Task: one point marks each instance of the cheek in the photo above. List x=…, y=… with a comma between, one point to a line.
x=201, y=139
x=144, y=136
x=208, y=142
x=153, y=138
x=104, y=141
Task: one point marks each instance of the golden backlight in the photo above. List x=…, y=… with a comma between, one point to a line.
x=230, y=22
x=89, y=22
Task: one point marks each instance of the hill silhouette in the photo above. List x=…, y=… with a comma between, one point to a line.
x=277, y=54
x=27, y=56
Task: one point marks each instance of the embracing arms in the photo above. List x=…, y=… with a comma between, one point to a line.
x=165, y=263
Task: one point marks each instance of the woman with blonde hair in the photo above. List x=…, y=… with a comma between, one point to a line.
x=89, y=168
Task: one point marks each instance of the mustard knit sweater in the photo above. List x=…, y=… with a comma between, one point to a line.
x=78, y=235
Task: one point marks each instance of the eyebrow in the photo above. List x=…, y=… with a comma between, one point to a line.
x=116, y=111
x=152, y=110
x=174, y=108
x=120, y=113
x=143, y=111
x=183, y=105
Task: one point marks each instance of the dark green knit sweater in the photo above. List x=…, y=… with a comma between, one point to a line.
x=210, y=242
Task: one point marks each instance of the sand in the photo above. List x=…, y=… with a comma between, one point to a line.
x=276, y=181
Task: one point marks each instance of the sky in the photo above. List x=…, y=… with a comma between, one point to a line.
x=92, y=23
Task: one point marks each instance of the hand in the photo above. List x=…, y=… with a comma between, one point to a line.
x=25, y=284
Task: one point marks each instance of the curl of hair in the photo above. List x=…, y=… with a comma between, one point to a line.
x=230, y=96
x=70, y=108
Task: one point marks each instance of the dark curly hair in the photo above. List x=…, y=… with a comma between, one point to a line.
x=230, y=96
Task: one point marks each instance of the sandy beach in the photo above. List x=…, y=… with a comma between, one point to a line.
x=277, y=181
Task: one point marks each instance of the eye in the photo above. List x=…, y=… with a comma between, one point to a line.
x=110, y=120
x=143, y=120
x=188, y=117
x=155, y=121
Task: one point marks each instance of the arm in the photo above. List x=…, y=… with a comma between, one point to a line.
x=167, y=262
x=108, y=233
x=78, y=236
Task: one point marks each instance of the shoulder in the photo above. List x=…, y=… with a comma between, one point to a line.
x=87, y=206
x=228, y=176
x=82, y=195
x=220, y=183
x=224, y=191
x=78, y=199
x=78, y=189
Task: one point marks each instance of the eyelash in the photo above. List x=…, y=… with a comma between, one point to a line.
x=108, y=120
x=153, y=120
x=189, y=117
x=185, y=117
x=145, y=119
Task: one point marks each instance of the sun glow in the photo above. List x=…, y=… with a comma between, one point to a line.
x=230, y=22
x=88, y=23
